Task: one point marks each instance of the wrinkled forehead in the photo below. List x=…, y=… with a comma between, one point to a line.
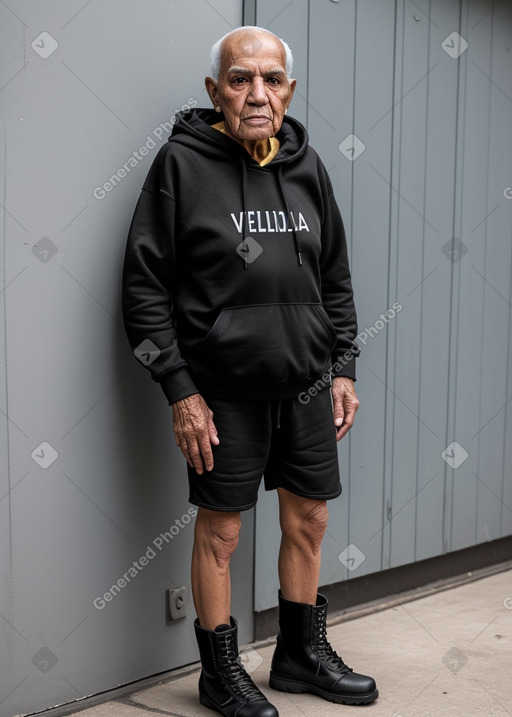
x=250, y=48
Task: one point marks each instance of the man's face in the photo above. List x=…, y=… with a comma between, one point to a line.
x=253, y=90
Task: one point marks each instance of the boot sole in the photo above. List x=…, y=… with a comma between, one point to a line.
x=206, y=702
x=286, y=685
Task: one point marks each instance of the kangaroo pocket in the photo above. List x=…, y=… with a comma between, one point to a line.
x=268, y=343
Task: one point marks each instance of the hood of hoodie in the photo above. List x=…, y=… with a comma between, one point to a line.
x=194, y=129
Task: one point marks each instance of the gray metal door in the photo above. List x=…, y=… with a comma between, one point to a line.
x=410, y=107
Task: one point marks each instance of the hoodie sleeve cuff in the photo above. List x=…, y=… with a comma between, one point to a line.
x=177, y=384
x=345, y=365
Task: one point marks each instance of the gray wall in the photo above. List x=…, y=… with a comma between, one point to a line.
x=436, y=166
x=70, y=530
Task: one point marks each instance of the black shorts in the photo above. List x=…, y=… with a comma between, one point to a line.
x=291, y=443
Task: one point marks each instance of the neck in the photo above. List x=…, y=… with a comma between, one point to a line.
x=258, y=149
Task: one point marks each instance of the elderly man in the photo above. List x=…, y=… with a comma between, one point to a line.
x=237, y=296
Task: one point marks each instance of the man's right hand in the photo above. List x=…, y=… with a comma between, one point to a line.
x=195, y=431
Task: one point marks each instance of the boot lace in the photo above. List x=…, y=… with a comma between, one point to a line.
x=322, y=647
x=234, y=672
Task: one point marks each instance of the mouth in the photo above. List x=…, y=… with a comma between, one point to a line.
x=256, y=120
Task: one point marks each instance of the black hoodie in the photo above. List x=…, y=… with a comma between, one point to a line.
x=236, y=278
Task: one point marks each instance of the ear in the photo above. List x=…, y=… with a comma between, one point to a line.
x=213, y=89
x=293, y=83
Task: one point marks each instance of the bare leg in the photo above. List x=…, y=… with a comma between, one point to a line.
x=303, y=525
x=215, y=540
x=303, y=660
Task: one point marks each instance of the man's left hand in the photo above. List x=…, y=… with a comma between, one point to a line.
x=345, y=405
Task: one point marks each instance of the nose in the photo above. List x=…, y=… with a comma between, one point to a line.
x=258, y=95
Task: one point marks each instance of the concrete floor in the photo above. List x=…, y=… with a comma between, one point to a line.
x=447, y=654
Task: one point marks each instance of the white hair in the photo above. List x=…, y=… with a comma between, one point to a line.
x=216, y=52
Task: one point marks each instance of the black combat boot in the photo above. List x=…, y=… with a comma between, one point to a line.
x=224, y=685
x=304, y=661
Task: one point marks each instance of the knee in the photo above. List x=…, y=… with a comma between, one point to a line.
x=308, y=524
x=219, y=534
x=315, y=522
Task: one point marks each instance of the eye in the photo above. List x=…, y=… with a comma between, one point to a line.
x=273, y=81
x=240, y=80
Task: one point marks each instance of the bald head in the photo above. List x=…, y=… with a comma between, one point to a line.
x=249, y=37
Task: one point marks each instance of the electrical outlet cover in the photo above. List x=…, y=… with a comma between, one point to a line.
x=177, y=603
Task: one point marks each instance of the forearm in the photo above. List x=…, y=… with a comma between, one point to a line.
x=147, y=295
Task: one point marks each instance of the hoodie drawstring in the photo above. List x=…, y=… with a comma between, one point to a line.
x=278, y=414
x=296, y=239
x=244, y=207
